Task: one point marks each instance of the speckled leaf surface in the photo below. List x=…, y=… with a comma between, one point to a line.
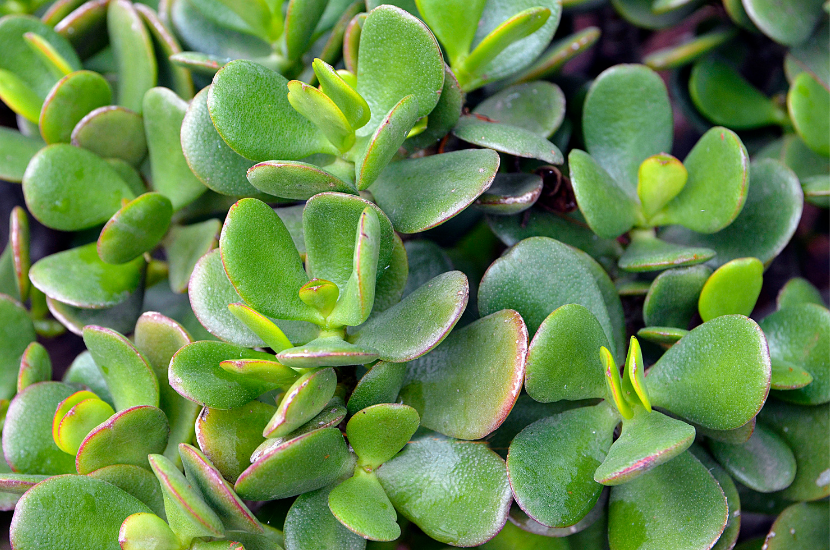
x=310, y=524
x=648, y=253
x=506, y=138
x=306, y=397
x=801, y=526
x=377, y=433
x=112, y=132
x=360, y=504
x=536, y=106
x=135, y=229
x=69, y=101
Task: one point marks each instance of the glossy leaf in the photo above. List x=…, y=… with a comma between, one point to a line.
x=421, y=193
x=19, y=247
x=92, y=511
x=649, y=253
x=789, y=27
x=133, y=51
x=69, y=188
x=380, y=384
x=799, y=527
x=646, y=441
x=552, y=462
x=763, y=463
x=73, y=97
x=195, y=373
x=809, y=105
x=302, y=464
x=468, y=506
x=677, y=505
x=165, y=45
x=35, y=366
x=798, y=291
x=659, y=179
x=360, y=504
x=80, y=420
x=185, y=245
x=16, y=333
x=310, y=524
x=135, y=229
x=125, y=438
x=690, y=379
x=294, y=180
x=129, y=376
x=28, y=445
x=510, y=194
x=626, y=119
x=306, y=397
x=326, y=351
x=142, y=530
x=454, y=24
x=112, y=132
x=261, y=326
x=379, y=432
x=733, y=500
x=18, y=96
x=536, y=106
x=672, y=297
x=676, y=56
x=262, y=262
x=732, y=289
x=381, y=147
x=261, y=124
x=666, y=336
x=417, y=323
x=506, y=138
x=317, y=107
x=84, y=372
x=350, y=103
x=442, y=119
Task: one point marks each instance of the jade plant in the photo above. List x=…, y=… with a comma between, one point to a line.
x=338, y=274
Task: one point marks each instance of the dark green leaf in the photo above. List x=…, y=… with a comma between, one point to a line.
x=302, y=401
x=536, y=106
x=801, y=526
x=791, y=26
x=310, y=524
x=809, y=104
x=294, y=180
x=379, y=432
x=135, y=229
x=133, y=52
x=380, y=384
x=763, y=463
x=112, y=132
x=185, y=245
x=18, y=150
x=649, y=253
x=672, y=297
x=16, y=333
x=506, y=138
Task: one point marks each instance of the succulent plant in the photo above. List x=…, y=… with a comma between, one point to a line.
x=338, y=274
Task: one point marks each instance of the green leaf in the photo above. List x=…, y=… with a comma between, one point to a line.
x=454, y=24
x=79, y=421
x=510, y=194
x=133, y=52
x=677, y=505
x=692, y=378
x=521, y=53
x=171, y=176
x=68, y=188
x=796, y=292
x=626, y=119
x=800, y=335
x=509, y=283
x=809, y=104
x=381, y=384
x=361, y=505
x=16, y=334
x=350, y=103
x=732, y=289
x=305, y=463
x=381, y=147
x=417, y=323
x=187, y=513
x=763, y=463
x=649, y=253
x=195, y=373
x=563, y=361
x=725, y=97
x=261, y=326
x=112, y=132
x=457, y=492
x=616, y=393
x=294, y=180
x=787, y=376
x=165, y=44
x=790, y=27
x=443, y=117
x=72, y=98
x=665, y=336
x=262, y=263
x=680, y=55
x=559, y=53
x=673, y=296
x=659, y=179
x=803, y=429
x=306, y=397
x=127, y=373
x=421, y=193
x=610, y=206
x=538, y=107
x=19, y=483
x=184, y=246
x=646, y=441
x=331, y=416
x=18, y=150
x=145, y=530
x=390, y=285
x=120, y=318
x=394, y=42
x=317, y=107
x=765, y=225
x=216, y=492
x=84, y=372
x=261, y=124
x=506, y=138
x=733, y=500
x=139, y=482
x=800, y=527
x=310, y=524
x=229, y=437
x=718, y=168
x=811, y=57
x=19, y=97
x=28, y=445
x=35, y=366
x=135, y=229
x=218, y=166
x=552, y=463
x=358, y=296
x=519, y=26
x=379, y=432
x=125, y=438
x=642, y=13
x=301, y=18
x=326, y=351
x=91, y=510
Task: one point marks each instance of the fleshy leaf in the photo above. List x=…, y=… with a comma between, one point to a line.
x=379, y=149
x=79, y=421
x=379, y=432
x=195, y=373
x=73, y=97
x=800, y=527
x=647, y=440
x=112, y=132
x=421, y=193
x=145, y=530
x=552, y=462
x=809, y=105
x=305, y=463
x=470, y=503
x=665, y=336
x=135, y=229
x=417, y=323
x=790, y=27
x=763, y=463
x=317, y=107
x=506, y=138
x=447, y=386
x=137, y=481
x=691, y=379
x=360, y=504
x=185, y=245
x=263, y=327
x=649, y=253
x=69, y=188
x=798, y=291
x=511, y=194
x=16, y=333
x=125, y=438
x=133, y=52
x=676, y=505
x=454, y=24
x=732, y=289
x=672, y=297
x=659, y=179
x=294, y=179
x=92, y=511
x=310, y=524
x=380, y=384
x=350, y=103
x=35, y=366
x=536, y=106
x=127, y=373
x=302, y=401
x=19, y=151
x=327, y=351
